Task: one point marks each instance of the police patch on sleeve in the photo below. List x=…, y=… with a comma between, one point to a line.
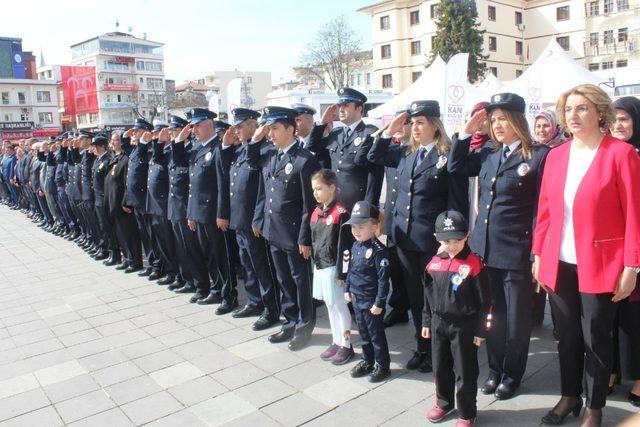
x=288, y=168
x=208, y=156
x=384, y=262
x=523, y=169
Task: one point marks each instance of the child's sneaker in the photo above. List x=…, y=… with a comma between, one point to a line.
x=461, y=422
x=343, y=355
x=379, y=374
x=330, y=352
x=437, y=414
x=361, y=369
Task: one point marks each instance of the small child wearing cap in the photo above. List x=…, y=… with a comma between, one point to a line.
x=367, y=286
x=456, y=310
x=329, y=242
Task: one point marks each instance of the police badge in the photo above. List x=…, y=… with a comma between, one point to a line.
x=368, y=254
x=523, y=169
x=288, y=168
x=208, y=156
x=464, y=271
x=357, y=141
x=442, y=160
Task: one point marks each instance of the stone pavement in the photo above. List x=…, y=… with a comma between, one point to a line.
x=84, y=344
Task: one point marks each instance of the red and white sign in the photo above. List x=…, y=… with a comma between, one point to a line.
x=120, y=86
x=79, y=89
x=125, y=59
x=12, y=136
x=46, y=132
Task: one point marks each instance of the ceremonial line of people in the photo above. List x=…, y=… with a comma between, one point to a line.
x=292, y=208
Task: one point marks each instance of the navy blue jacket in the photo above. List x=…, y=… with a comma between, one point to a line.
x=8, y=167
x=98, y=174
x=74, y=184
x=203, y=186
x=158, y=180
x=87, y=178
x=60, y=157
x=368, y=276
x=136, y=193
x=50, y=177
x=178, y=180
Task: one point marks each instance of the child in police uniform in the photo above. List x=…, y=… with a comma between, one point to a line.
x=456, y=310
x=366, y=287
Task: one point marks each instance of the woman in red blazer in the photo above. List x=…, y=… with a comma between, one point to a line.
x=587, y=245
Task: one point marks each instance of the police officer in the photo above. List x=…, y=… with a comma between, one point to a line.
x=136, y=193
x=157, y=196
x=50, y=187
x=288, y=203
x=201, y=214
x=108, y=247
x=88, y=207
x=74, y=187
x=348, y=146
x=425, y=189
x=61, y=178
x=509, y=179
x=304, y=128
x=71, y=190
x=238, y=190
x=36, y=185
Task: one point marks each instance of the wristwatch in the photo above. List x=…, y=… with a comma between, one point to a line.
x=634, y=269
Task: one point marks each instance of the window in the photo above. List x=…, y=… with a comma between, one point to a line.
x=434, y=11
x=518, y=48
x=43, y=96
x=623, y=5
x=415, y=75
x=494, y=71
x=493, y=44
x=387, y=81
x=594, y=66
x=140, y=65
x=368, y=79
x=385, y=51
x=45, y=118
x=562, y=13
x=21, y=98
x=563, y=42
x=415, y=48
x=359, y=77
x=153, y=83
x=518, y=73
x=492, y=13
x=621, y=63
x=8, y=117
x=593, y=39
x=24, y=115
x=518, y=18
x=414, y=17
x=608, y=6
x=607, y=65
x=116, y=66
x=593, y=9
x=5, y=98
x=153, y=66
x=385, y=23
x=607, y=36
x=82, y=119
x=93, y=118
x=623, y=34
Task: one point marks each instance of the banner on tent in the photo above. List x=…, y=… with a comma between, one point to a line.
x=454, y=115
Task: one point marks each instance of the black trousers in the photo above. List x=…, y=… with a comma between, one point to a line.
x=413, y=265
x=65, y=207
x=126, y=230
x=294, y=278
x=372, y=337
x=455, y=357
x=508, y=339
x=584, y=325
x=187, y=249
x=44, y=208
x=626, y=340
x=398, y=300
x=213, y=248
x=260, y=282
x=105, y=231
x=92, y=221
x=144, y=229
x=164, y=244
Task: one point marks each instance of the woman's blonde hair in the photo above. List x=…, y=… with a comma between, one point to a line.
x=597, y=97
x=442, y=142
x=520, y=126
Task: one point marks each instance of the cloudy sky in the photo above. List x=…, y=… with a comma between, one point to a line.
x=199, y=35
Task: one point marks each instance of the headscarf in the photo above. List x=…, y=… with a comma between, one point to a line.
x=478, y=141
x=551, y=118
x=631, y=105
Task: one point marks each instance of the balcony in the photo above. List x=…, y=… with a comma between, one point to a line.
x=602, y=49
x=120, y=87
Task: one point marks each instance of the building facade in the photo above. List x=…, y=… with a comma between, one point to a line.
x=129, y=79
x=599, y=33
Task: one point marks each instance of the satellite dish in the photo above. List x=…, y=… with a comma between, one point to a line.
x=130, y=29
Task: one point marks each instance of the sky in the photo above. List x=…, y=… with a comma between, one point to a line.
x=199, y=36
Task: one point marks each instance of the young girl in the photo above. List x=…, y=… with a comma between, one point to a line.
x=328, y=248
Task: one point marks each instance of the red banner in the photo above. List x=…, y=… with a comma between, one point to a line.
x=79, y=89
x=46, y=132
x=120, y=86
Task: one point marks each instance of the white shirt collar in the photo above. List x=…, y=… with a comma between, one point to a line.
x=287, y=148
x=204, y=144
x=513, y=147
x=428, y=147
x=352, y=127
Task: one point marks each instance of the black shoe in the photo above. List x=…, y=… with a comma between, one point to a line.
x=395, y=317
x=100, y=256
x=176, y=285
x=197, y=296
x=317, y=303
x=281, y=336
x=210, y=299
x=379, y=374
x=146, y=272
x=123, y=266
x=187, y=289
x=505, y=391
x=299, y=341
x=489, y=386
x=634, y=399
x=227, y=307
x=264, y=322
x=111, y=262
x=554, y=419
x=133, y=269
x=417, y=359
x=425, y=367
x=167, y=280
x=247, y=311
x=155, y=276
x=361, y=369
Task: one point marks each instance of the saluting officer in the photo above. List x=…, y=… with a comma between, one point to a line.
x=88, y=207
x=348, y=146
x=61, y=178
x=304, y=128
x=509, y=179
x=108, y=247
x=238, y=190
x=50, y=187
x=288, y=204
x=424, y=190
x=74, y=187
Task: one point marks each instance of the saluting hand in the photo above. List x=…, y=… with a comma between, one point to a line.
x=128, y=133
x=260, y=133
x=329, y=114
x=147, y=137
x=397, y=124
x=163, y=136
x=626, y=285
x=184, y=133
x=475, y=122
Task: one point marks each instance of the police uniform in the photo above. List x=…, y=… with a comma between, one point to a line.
x=239, y=184
x=74, y=191
x=367, y=282
x=424, y=190
x=509, y=185
x=358, y=179
x=36, y=185
x=107, y=244
x=288, y=203
x=88, y=207
x=51, y=190
x=456, y=308
x=321, y=154
x=61, y=178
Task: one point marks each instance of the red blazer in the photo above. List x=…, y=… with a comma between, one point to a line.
x=606, y=216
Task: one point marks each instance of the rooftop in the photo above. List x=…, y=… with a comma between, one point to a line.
x=117, y=34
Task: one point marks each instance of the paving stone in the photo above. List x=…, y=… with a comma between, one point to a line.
x=151, y=408
x=295, y=410
x=156, y=361
x=22, y=403
x=264, y=392
x=181, y=419
x=111, y=418
x=17, y=385
x=73, y=387
x=222, y=409
x=84, y=406
x=117, y=373
x=335, y=391
x=46, y=416
x=176, y=374
x=239, y=375
x=133, y=389
x=195, y=391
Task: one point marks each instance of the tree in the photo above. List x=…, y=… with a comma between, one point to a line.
x=458, y=31
x=333, y=53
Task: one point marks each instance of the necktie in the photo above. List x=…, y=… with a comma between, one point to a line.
x=506, y=152
x=347, y=132
x=421, y=155
x=278, y=158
